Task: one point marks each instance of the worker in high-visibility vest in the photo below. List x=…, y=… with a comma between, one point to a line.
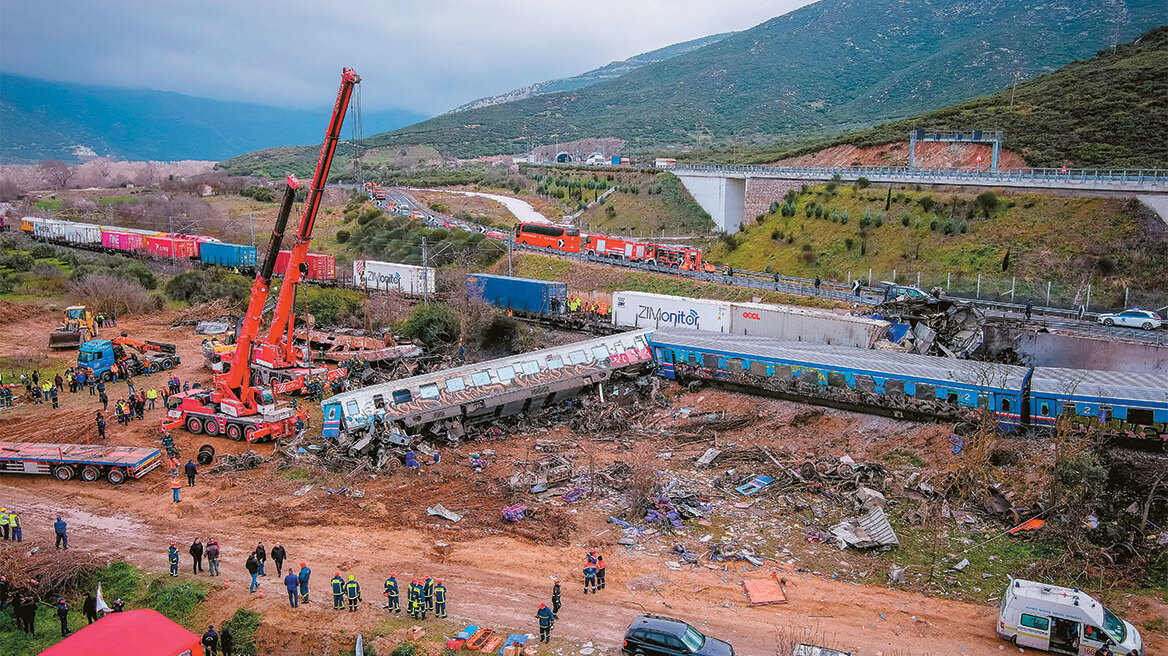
x=4, y=522
x=151, y=396
x=353, y=591
x=175, y=486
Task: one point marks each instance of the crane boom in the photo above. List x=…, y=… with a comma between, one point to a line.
x=238, y=381
x=282, y=317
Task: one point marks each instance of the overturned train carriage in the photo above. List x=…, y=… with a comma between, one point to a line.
x=911, y=386
x=441, y=402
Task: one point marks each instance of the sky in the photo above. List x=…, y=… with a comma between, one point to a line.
x=427, y=56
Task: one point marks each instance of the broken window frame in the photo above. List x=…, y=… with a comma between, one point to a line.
x=429, y=391
x=399, y=394
x=476, y=377
x=555, y=362
x=530, y=367
x=456, y=384
x=578, y=357
x=505, y=374
x=600, y=352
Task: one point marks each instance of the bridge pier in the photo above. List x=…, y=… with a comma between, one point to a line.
x=724, y=197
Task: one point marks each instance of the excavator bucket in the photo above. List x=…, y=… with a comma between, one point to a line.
x=65, y=339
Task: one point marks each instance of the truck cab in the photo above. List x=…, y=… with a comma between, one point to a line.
x=1062, y=621
x=100, y=355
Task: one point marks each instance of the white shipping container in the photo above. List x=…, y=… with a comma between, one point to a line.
x=82, y=233
x=49, y=229
x=386, y=276
x=643, y=310
x=799, y=324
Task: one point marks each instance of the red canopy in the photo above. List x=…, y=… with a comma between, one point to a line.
x=135, y=632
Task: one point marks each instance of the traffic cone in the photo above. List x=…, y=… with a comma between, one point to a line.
x=260, y=590
x=226, y=583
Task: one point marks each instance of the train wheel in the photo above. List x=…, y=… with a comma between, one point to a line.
x=117, y=476
x=234, y=432
x=89, y=473
x=195, y=425
x=211, y=427
x=63, y=472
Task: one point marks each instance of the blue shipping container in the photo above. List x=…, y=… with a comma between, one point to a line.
x=228, y=255
x=516, y=293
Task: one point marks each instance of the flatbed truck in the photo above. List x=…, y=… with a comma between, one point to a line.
x=89, y=462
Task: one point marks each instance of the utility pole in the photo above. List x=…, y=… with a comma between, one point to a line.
x=251, y=220
x=1014, y=88
x=425, y=276
x=510, y=271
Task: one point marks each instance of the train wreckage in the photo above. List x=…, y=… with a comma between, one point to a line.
x=376, y=420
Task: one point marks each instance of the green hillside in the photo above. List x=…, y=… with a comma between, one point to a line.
x=836, y=229
x=831, y=66
x=1109, y=110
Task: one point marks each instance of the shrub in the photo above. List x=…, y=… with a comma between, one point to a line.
x=106, y=292
x=988, y=202
x=774, y=207
x=809, y=210
x=343, y=236
x=806, y=248
x=440, y=208
x=866, y=220
x=18, y=261
x=879, y=220
x=731, y=242
x=791, y=238
x=776, y=235
x=404, y=650
x=927, y=203
x=433, y=324
x=819, y=211
x=199, y=286
x=904, y=220
x=1106, y=265
x=963, y=227
x=807, y=256
x=760, y=218
x=863, y=248
x=243, y=625
x=948, y=227
x=848, y=243
x=843, y=218
x=862, y=182
x=933, y=224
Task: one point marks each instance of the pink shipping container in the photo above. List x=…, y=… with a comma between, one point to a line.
x=170, y=247
x=121, y=241
x=320, y=266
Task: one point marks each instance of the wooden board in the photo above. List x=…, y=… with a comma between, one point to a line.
x=764, y=592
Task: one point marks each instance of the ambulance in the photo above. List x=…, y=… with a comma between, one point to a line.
x=1063, y=621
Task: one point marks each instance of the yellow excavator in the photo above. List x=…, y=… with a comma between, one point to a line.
x=77, y=327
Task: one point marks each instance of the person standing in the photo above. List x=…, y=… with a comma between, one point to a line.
x=104, y=398
x=292, y=582
x=212, y=553
x=190, y=470
x=100, y=426
x=89, y=608
x=196, y=552
x=589, y=576
x=392, y=593
x=338, y=591
x=304, y=575
x=59, y=528
x=353, y=592
x=428, y=589
x=63, y=615
x=175, y=486
x=253, y=568
x=818, y=282
x=600, y=572
x=5, y=588
x=53, y=395
x=172, y=556
x=151, y=397
x=278, y=556
x=1029, y=308
x=210, y=641
x=14, y=526
x=439, y=600
x=261, y=555
x=544, y=615
x=226, y=642
x=4, y=522
x=556, y=605
x=28, y=611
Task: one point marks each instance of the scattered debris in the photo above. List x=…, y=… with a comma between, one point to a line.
x=764, y=592
x=230, y=463
x=442, y=512
x=866, y=532
x=897, y=574
x=708, y=457
x=511, y=513
x=754, y=485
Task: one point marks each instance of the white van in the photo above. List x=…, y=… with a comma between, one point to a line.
x=1063, y=621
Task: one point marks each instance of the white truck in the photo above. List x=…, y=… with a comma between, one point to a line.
x=1063, y=621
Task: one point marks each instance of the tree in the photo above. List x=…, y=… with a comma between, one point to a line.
x=862, y=182
x=927, y=203
x=1006, y=260
x=988, y=202
x=55, y=173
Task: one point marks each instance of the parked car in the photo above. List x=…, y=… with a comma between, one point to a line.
x=656, y=635
x=1134, y=318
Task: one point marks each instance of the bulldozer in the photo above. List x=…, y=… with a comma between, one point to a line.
x=77, y=327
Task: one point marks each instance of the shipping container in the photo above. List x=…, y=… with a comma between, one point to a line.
x=320, y=266
x=198, y=239
x=228, y=255
x=138, y=231
x=169, y=247
x=83, y=233
x=643, y=310
x=800, y=324
x=121, y=241
x=49, y=230
x=405, y=278
x=516, y=293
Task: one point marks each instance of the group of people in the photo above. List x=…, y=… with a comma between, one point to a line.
x=104, y=320
x=575, y=304
x=198, y=551
x=422, y=596
x=10, y=525
x=24, y=606
x=213, y=641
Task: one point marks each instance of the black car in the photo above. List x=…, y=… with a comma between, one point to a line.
x=654, y=635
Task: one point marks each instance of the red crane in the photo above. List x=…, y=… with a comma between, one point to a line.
x=277, y=351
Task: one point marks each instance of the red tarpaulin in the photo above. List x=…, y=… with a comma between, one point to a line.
x=136, y=633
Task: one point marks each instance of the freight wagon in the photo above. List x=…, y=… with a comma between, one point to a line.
x=88, y=461
x=320, y=266
x=806, y=325
x=124, y=241
x=199, y=241
x=384, y=276
x=644, y=310
x=82, y=234
x=49, y=230
x=170, y=247
x=523, y=294
x=223, y=254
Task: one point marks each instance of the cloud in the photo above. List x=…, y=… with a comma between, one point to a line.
x=426, y=56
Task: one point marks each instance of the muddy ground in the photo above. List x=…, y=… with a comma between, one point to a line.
x=498, y=573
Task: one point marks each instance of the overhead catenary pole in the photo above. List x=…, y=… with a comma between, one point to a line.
x=510, y=270
x=425, y=275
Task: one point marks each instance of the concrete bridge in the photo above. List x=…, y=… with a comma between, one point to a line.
x=721, y=190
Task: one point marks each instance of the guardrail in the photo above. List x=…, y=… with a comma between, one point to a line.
x=1045, y=176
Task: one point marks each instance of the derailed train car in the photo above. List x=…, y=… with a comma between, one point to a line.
x=1127, y=406
x=441, y=402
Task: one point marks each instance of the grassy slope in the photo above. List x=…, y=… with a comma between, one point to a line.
x=1109, y=110
x=1049, y=238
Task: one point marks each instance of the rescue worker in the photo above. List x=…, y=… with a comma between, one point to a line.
x=439, y=600
x=392, y=594
x=600, y=572
x=4, y=522
x=172, y=556
x=63, y=615
x=556, y=605
x=303, y=576
x=210, y=641
x=100, y=426
x=428, y=588
x=546, y=620
x=175, y=486
x=412, y=599
x=292, y=582
x=338, y=591
x=589, y=577
x=151, y=396
x=14, y=526
x=353, y=592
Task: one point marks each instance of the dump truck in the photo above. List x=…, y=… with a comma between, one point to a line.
x=77, y=327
